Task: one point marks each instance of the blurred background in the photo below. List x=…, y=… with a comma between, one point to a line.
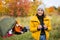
x=25, y=9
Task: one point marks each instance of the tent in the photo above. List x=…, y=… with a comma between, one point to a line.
x=6, y=24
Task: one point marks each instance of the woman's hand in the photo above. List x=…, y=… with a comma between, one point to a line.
x=45, y=27
x=21, y=32
x=39, y=27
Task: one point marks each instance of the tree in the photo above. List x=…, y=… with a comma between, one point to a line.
x=33, y=7
x=1, y=8
x=19, y=7
x=50, y=9
x=58, y=9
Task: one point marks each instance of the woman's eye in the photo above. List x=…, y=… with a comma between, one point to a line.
x=40, y=10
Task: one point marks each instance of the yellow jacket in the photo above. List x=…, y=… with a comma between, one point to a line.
x=34, y=22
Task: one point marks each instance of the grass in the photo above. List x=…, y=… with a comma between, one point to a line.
x=54, y=34
x=26, y=36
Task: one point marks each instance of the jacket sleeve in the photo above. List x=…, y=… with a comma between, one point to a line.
x=49, y=25
x=33, y=28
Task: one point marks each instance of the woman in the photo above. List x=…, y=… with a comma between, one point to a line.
x=40, y=25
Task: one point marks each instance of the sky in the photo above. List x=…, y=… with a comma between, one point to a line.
x=49, y=3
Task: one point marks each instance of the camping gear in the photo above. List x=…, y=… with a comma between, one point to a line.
x=18, y=29
x=6, y=24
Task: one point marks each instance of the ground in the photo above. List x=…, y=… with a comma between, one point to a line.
x=54, y=34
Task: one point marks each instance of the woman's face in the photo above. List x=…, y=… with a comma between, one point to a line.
x=40, y=12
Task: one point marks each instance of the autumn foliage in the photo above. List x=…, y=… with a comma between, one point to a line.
x=19, y=7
